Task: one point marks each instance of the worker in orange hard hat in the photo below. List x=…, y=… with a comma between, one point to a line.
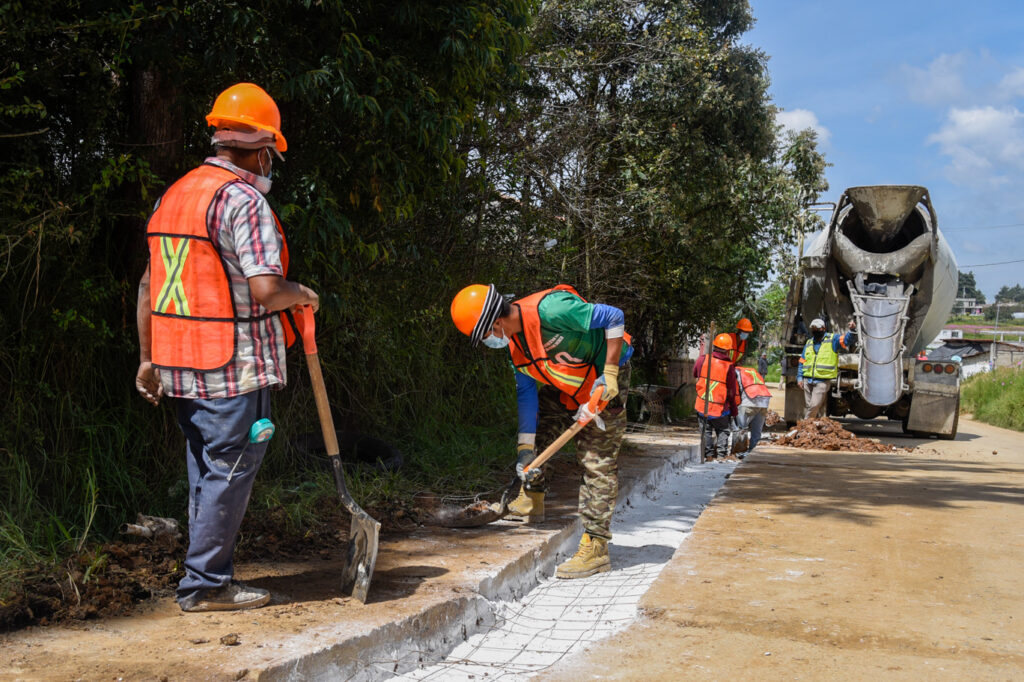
x=743, y=330
x=563, y=348
x=717, y=396
x=210, y=332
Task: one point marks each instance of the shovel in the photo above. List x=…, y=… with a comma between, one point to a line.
x=364, y=531
x=478, y=514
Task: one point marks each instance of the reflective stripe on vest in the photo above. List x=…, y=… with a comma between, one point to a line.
x=713, y=387
x=739, y=347
x=193, y=323
x=825, y=363
x=573, y=380
x=752, y=383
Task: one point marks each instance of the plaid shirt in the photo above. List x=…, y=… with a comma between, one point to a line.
x=242, y=227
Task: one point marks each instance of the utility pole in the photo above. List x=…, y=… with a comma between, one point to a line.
x=992, y=350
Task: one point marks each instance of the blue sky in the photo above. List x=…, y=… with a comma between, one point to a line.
x=913, y=92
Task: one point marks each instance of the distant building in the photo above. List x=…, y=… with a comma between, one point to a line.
x=976, y=354
x=967, y=306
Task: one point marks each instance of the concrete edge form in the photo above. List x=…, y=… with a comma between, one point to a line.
x=430, y=635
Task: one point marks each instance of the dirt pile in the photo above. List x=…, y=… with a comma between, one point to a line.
x=825, y=434
x=773, y=419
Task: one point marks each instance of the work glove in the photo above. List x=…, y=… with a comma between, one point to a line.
x=610, y=381
x=525, y=455
x=584, y=413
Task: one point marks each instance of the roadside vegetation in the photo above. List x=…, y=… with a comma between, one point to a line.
x=629, y=148
x=996, y=398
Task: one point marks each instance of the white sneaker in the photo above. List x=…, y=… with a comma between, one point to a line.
x=235, y=596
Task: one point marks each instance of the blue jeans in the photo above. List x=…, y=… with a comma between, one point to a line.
x=752, y=418
x=217, y=441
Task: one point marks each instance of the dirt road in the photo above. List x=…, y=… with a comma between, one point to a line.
x=813, y=565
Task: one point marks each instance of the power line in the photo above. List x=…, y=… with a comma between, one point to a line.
x=980, y=227
x=985, y=265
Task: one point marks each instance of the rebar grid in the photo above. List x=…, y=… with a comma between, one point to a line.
x=560, y=617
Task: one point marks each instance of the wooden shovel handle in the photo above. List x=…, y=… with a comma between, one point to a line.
x=595, y=405
x=307, y=328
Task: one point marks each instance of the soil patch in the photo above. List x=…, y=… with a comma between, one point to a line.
x=825, y=434
x=111, y=579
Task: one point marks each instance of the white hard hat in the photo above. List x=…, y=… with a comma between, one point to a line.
x=817, y=323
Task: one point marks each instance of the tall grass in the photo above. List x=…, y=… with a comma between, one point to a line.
x=996, y=398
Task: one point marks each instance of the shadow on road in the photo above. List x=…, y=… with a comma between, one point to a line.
x=855, y=487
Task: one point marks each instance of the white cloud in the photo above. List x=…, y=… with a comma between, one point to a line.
x=941, y=82
x=985, y=145
x=1012, y=85
x=801, y=119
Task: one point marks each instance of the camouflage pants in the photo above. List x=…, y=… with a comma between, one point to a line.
x=596, y=450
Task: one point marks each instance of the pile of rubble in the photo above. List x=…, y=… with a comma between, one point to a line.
x=825, y=434
x=773, y=419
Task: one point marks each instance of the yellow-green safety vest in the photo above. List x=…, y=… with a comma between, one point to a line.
x=825, y=363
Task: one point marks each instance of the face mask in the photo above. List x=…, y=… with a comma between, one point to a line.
x=493, y=341
x=817, y=334
x=263, y=182
x=744, y=335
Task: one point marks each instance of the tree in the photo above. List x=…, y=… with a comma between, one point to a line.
x=1008, y=294
x=967, y=288
x=646, y=145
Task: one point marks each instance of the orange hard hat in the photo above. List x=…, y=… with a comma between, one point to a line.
x=249, y=105
x=724, y=341
x=474, y=310
x=745, y=325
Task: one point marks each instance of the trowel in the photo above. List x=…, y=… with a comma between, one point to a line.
x=364, y=530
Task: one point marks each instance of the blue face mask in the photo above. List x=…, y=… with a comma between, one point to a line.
x=744, y=335
x=493, y=341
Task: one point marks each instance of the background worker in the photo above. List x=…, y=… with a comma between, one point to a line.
x=754, y=399
x=762, y=365
x=717, y=396
x=819, y=364
x=562, y=348
x=739, y=338
x=208, y=334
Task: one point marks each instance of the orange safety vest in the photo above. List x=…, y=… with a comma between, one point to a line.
x=194, y=321
x=573, y=380
x=739, y=346
x=752, y=383
x=716, y=392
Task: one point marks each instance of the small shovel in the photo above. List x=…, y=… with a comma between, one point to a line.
x=478, y=515
x=364, y=531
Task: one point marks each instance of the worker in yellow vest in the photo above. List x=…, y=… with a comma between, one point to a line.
x=211, y=334
x=819, y=365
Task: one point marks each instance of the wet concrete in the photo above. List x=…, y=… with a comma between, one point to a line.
x=432, y=589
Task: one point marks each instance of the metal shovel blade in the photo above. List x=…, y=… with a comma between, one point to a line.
x=739, y=441
x=363, y=541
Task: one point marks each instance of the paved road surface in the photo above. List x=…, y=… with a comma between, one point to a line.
x=820, y=566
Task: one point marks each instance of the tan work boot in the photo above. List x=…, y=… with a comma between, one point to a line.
x=529, y=506
x=590, y=558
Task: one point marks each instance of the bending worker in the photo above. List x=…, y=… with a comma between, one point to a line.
x=754, y=399
x=819, y=365
x=562, y=349
x=717, y=396
x=739, y=338
x=209, y=333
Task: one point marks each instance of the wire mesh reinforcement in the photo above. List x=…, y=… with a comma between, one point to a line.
x=561, y=617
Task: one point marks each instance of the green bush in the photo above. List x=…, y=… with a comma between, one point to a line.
x=996, y=398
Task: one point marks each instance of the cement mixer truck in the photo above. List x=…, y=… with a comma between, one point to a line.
x=883, y=263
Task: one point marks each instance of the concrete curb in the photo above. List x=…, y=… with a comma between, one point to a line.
x=430, y=635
